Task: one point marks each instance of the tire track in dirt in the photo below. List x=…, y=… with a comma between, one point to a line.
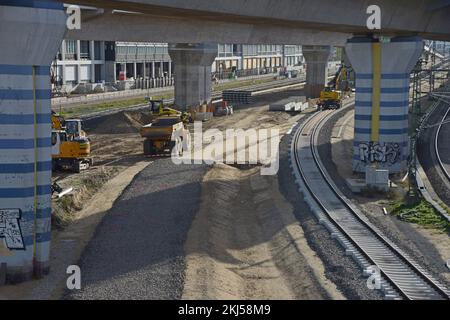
x=245, y=243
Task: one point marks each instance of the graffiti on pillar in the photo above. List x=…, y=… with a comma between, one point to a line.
x=10, y=229
x=376, y=152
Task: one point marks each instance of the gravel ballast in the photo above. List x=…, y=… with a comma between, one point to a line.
x=137, y=250
x=339, y=268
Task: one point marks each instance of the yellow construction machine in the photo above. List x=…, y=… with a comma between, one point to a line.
x=157, y=109
x=330, y=99
x=71, y=147
x=165, y=135
x=331, y=95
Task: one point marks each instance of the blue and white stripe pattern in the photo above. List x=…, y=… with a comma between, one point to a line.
x=397, y=60
x=41, y=25
x=17, y=155
x=394, y=125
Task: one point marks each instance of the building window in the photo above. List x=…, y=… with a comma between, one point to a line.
x=97, y=50
x=84, y=50
x=71, y=50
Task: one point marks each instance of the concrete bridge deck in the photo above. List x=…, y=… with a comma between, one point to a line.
x=428, y=19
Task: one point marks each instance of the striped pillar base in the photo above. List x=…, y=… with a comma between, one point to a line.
x=382, y=100
x=18, y=151
x=25, y=134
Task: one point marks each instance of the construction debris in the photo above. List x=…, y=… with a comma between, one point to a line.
x=296, y=103
x=60, y=192
x=237, y=96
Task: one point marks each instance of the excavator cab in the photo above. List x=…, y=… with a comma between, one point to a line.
x=74, y=128
x=58, y=122
x=156, y=106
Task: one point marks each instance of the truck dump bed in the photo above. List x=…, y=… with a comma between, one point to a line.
x=161, y=128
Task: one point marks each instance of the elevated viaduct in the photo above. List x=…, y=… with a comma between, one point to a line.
x=31, y=33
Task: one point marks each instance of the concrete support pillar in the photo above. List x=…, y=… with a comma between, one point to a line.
x=63, y=55
x=192, y=70
x=92, y=54
x=78, y=59
x=153, y=69
x=170, y=69
x=109, y=71
x=124, y=69
x=102, y=50
x=316, y=69
x=30, y=34
x=144, y=73
x=382, y=99
x=135, y=70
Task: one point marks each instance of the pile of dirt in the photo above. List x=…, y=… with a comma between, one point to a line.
x=122, y=122
x=85, y=185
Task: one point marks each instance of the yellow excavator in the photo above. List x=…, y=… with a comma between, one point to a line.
x=157, y=109
x=71, y=147
x=331, y=95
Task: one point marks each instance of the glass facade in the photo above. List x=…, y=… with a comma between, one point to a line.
x=104, y=61
x=129, y=51
x=85, y=50
x=258, y=50
x=71, y=50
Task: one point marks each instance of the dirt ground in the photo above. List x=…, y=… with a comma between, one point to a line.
x=435, y=247
x=68, y=244
x=245, y=243
x=116, y=145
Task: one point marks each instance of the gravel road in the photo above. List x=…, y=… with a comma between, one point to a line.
x=137, y=250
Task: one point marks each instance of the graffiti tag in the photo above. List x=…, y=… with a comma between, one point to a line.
x=376, y=152
x=10, y=229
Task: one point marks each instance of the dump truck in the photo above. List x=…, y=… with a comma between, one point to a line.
x=71, y=147
x=166, y=135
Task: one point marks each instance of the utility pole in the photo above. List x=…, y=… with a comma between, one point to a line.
x=412, y=167
x=433, y=64
x=416, y=112
x=417, y=90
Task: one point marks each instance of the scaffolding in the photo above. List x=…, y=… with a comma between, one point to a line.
x=427, y=70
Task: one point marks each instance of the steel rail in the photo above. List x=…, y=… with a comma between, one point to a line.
x=356, y=233
x=436, y=146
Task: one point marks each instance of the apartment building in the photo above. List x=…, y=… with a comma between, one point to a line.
x=80, y=61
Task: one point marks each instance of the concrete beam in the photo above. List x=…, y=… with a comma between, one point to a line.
x=122, y=26
x=403, y=17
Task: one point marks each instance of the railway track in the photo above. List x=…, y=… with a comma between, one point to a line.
x=442, y=166
x=430, y=139
x=391, y=269
x=216, y=96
